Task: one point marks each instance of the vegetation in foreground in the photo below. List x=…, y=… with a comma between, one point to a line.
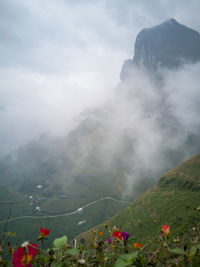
x=145, y=238
x=173, y=200
x=118, y=250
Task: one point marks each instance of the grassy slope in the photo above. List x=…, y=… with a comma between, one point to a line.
x=172, y=201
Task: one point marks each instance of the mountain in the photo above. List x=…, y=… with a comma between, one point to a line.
x=168, y=45
x=174, y=201
x=51, y=176
x=118, y=150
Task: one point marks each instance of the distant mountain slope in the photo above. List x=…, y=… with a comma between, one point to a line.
x=174, y=201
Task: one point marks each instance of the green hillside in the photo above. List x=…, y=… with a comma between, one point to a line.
x=70, y=172
x=174, y=201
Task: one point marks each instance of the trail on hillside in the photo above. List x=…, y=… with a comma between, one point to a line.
x=64, y=214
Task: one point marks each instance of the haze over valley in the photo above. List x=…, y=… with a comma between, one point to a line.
x=98, y=99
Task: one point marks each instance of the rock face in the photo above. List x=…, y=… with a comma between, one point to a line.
x=168, y=45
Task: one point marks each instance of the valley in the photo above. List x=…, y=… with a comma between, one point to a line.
x=115, y=152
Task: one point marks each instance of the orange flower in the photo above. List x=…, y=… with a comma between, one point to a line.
x=137, y=245
x=166, y=229
x=101, y=233
x=44, y=232
x=118, y=234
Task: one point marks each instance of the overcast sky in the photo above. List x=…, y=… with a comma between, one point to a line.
x=58, y=57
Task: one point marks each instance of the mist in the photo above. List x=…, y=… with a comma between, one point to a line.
x=59, y=58
x=60, y=73
x=151, y=126
x=162, y=120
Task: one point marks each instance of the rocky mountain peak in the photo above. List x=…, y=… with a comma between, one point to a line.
x=169, y=22
x=168, y=45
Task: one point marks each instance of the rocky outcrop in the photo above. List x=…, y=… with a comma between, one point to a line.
x=168, y=45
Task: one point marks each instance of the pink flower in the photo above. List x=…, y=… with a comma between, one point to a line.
x=109, y=240
x=22, y=258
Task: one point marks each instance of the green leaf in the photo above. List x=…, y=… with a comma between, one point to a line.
x=129, y=257
x=56, y=264
x=73, y=251
x=193, y=250
x=11, y=234
x=121, y=263
x=126, y=259
x=178, y=251
x=60, y=242
x=198, y=246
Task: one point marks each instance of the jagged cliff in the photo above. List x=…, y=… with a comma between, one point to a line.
x=168, y=45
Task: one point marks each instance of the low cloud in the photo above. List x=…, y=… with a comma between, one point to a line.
x=60, y=57
x=160, y=122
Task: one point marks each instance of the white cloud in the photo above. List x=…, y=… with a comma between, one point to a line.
x=58, y=57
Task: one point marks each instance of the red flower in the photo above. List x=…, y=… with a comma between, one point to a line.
x=118, y=234
x=23, y=257
x=44, y=232
x=166, y=229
